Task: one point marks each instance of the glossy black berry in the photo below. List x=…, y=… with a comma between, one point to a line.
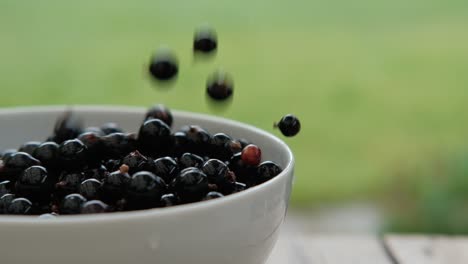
x=90, y=189
x=94, y=207
x=198, y=140
x=267, y=170
x=145, y=190
x=112, y=164
x=29, y=147
x=205, y=41
x=110, y=128
x=135, y=161
x=190, y=160
x=20, y=206
x=163, y=66
x=233, y=147
x=165, y=167
x=117, y=145
x=179, y=143
x=5, y=187
x=218, y=173
x=98, y=173
x=239, y=187
x=16, y=164
x=72, y=154
x=244, y=173
x=213, y=195
x=191, y=185
x=219, y=143
x=115, y=185
x=289, y=125
x=34, y=185
x=47, y=153
x=160, y=112
x=7, y=154
x=69, y=182
x=72, y=204
x=168, y=200
x=5, y=201
x=154, y=136
x=219, y=86
x=93, y=143
x=68, y=126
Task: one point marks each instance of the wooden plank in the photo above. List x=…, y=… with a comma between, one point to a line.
x=349, y=249
x=420, y=249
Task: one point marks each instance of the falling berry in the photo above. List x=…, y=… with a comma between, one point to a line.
x=219, y=86
x=163, y=66
x=205, y=41
x=289, y=125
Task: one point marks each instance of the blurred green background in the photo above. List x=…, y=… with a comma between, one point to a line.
x=380, y=86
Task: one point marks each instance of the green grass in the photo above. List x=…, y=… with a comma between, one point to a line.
x=374, y=82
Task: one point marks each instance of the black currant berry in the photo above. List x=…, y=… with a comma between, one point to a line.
x=239, y=187
x=5, y=201
x=219, y=144
x=72, y=154
x=69, y=182
x=220, y=86
x=117, y=145
x=15, y=164
x=115, y=185
x=29, y=147
x=94, y=207
x=47, y=153
x=191, y=185
x=244, y=173
x=163, y=66
x=34, y=185
x=160, y=112
x=218, y=173
x=266, y=171
x=190, y=160
x=145, y=190
x=90, y=189
x=198, y=140
x=93, y=143
x=289, y=125
x=205, y=41
x=5, y=187
x=165, y=167
x=154, y=136
x=213, y=195
x=168, y=200
x=98, y=173
x=20, y=206
x=135, y=161
x=110, y=128
x=72, y=204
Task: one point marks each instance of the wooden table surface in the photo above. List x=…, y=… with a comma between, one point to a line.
x=295, y=248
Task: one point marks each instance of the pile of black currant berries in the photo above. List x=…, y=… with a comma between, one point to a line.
x=104, y=169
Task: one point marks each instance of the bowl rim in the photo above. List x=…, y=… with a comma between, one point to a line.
x=153, y=212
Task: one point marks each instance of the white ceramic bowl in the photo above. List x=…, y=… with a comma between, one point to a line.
x=241, y=228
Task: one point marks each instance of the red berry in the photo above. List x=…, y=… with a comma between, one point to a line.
x=251, y=155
